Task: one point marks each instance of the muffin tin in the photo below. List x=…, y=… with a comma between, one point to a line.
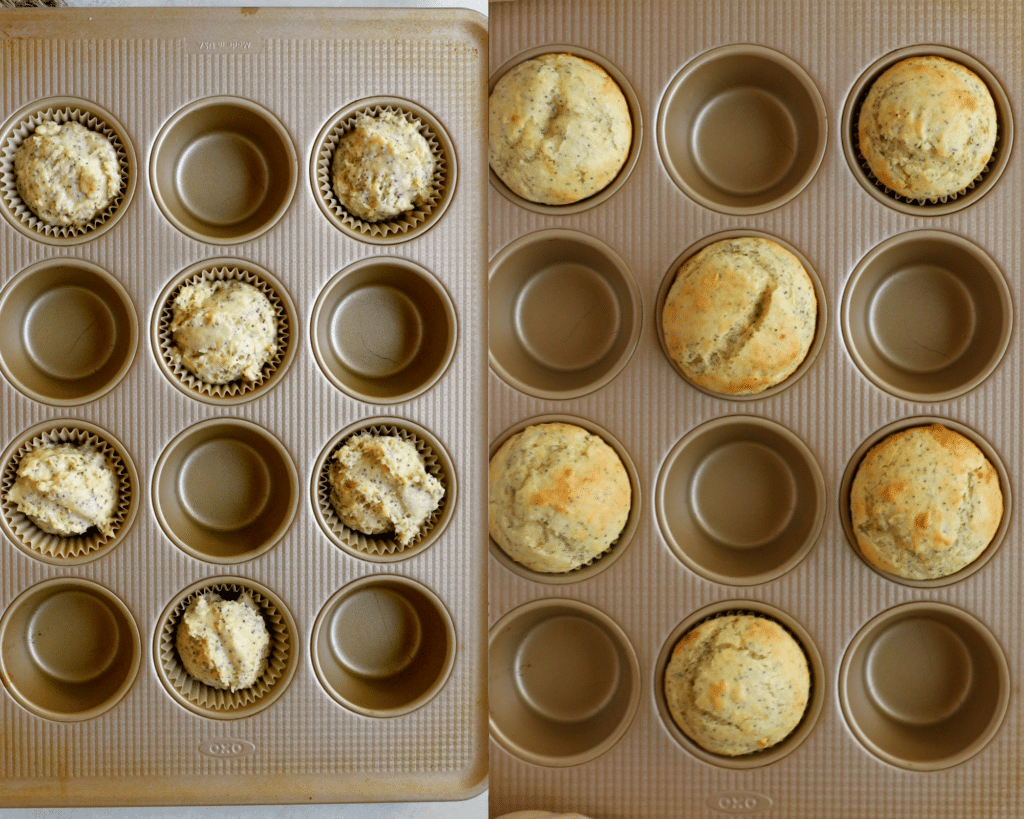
x=741, y=503
x=376, y=686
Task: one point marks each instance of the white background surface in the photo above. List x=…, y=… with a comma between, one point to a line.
x=475, y=808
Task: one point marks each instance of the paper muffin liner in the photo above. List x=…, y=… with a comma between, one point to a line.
x=889, y=192
x=405, y=223
x=16, y=134
x=240, y=387
x=219, y=701
x=384, y=544
x=76, y=548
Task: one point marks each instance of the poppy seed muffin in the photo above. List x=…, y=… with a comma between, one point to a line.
x=737, y=684
x=66, y=174
x=558, y=497
x=66, y=489
x=925, y=503
x=740, y=316
x=927, y=128
x=383, y=167
x=223, y=331
x=380, y=484
x=560, y=129
x=224, y=644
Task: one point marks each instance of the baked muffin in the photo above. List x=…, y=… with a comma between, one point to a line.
x=927, y=128
x=380, y=484
x=740, y=316
x=560, y=129
x=66, y=174
x=223, y=331
x=925, y=502
x=737, y=684
x=66, y=489
x=383, y=167
x=559, y=496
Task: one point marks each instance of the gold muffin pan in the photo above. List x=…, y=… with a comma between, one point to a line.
x=216, y=115
x=743, y=504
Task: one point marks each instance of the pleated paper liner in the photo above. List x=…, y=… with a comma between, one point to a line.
x=944, y=204
x=406, y=225
x=61, y=110
x=214, y=702
x=815, y=700
x=92, y=544
x=602, y=561
x=239, y=390
x=384, y=548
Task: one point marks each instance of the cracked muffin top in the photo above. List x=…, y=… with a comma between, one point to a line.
x=740, y=316
x=559, y=129
x=737, y=684
x=925, y=503
x=927, y=128
x=558, y=497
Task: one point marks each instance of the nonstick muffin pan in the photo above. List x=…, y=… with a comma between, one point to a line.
x=748, y=111
x=375, y=689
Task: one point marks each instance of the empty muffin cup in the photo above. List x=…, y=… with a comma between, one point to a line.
x=216, y=703
x=69, y=649
x=607, y=558
x=742, y=129
x=383, y=646
x=989, y=452
x=223, y=170
x=740, y=500
x=564, y=682
x=240, y=390
x=61, y=110
x=564, y=314
x=384, y=547
x=68, y=332
x=635, y=114
x=927, y=315
x=383, y=330
x=820, y=325
x=957, y=201
x=924, y=686
x=815, y=702
x=410, y=223
x=225, y=490
x=69, y=550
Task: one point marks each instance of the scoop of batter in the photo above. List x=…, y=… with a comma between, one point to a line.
x=382, y=167
x=379, y=483
x=223, y=331
x=224, y=643
x=66, y=174
x=66, y=489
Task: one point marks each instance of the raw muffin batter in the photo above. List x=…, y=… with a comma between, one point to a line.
x=737, y=684
x=224, y=643
x=379, y=484
x=740, y=316
x=66, y=174
x=560, y=129
x=382, y=167
x=925, y=503
x=558, y=497
x=65, y=489
x=223, y=331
